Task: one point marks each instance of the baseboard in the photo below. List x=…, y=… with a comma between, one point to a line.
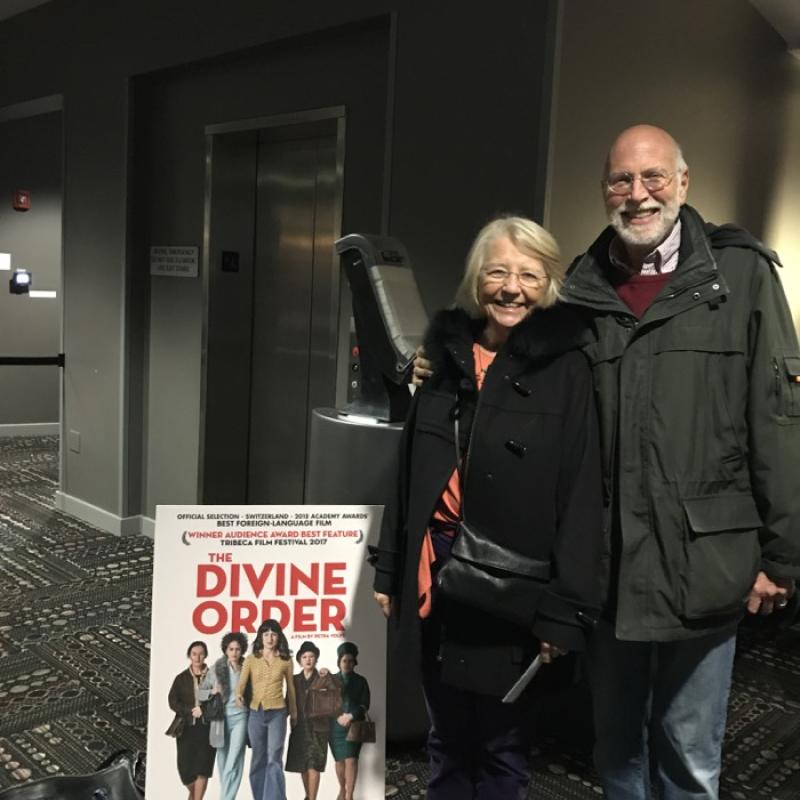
x=31, y=429
x=148, y=527
x=105, y=520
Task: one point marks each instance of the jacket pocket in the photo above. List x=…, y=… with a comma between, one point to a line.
x=722, y=554
x=787, y=373
x=698, y=338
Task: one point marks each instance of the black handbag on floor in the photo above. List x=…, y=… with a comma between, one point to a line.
x=118, y=781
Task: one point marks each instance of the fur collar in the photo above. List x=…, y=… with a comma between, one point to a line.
x=221, y=674
x=544, y=334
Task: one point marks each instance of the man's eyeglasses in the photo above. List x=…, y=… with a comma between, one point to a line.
x=653, y=180
x=530, y=280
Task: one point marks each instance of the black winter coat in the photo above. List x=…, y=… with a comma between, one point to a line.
x=531, y=484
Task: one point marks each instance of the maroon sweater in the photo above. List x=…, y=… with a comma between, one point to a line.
x=638, y=291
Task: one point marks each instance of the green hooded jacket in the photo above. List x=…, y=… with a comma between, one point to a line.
x=699, y=405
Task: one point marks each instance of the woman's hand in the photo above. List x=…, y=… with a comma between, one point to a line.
x=385, y=603
x=548, y=652
x=239, y=702
x=422, y=367
x=344, y=719
x=197, y=712
x=324, y=672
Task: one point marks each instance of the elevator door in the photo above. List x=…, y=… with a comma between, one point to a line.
x=293, y=362
x=273, y=205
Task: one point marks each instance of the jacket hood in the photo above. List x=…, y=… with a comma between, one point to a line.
x=729, y=235
x=544, y=334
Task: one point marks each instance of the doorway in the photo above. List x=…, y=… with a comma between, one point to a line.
x=272, y=301
x=31, y=314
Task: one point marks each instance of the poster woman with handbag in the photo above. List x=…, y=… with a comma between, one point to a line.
x=267, y=671
x=229, y=734
x=355, y=704
x=491, y=552
x=319, y=699
x=189, y=690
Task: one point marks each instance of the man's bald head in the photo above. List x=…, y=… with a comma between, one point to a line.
x=645, y=137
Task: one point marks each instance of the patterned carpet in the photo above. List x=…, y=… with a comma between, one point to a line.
x=74, y=627
x=74, y=638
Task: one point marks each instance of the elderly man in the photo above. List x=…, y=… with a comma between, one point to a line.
x=696, y=367
x=697, y=372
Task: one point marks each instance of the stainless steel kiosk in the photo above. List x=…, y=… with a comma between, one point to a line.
x=352, y=454
x=352, y=450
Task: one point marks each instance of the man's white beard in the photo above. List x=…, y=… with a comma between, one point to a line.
x=649, y=236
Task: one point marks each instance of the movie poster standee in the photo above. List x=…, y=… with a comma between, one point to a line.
x=223, y=570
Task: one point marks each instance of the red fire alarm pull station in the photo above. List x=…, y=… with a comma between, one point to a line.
x=22, y=200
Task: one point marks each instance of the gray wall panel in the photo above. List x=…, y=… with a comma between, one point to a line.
x=468, y=110
x=94, y=289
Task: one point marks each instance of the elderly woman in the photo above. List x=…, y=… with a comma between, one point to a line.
x=229, y=735
x=308, y=741
x=491, y=553
x=355, y=704
x=190, y=688
x=267, y=671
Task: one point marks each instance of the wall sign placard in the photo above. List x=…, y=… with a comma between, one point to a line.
x=174, y=261
x=221, y=569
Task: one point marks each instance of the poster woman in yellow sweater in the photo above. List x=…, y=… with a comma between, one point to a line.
x=268, y=669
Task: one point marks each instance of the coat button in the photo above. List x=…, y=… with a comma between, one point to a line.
x=517, y=448
x=715, y=287
x=695, y=295
x=489, y=476
x=520, y=389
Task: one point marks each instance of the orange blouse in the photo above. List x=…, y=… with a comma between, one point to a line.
x=448, y=508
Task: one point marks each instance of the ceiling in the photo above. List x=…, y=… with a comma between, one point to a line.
x=10, y=8
x=783, y=15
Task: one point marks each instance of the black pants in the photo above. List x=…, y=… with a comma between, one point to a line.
x=479, y=747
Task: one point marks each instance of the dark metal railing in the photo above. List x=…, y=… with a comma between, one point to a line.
x=31, y=361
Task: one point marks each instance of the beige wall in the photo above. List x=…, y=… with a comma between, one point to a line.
x=783, y=221
x=714, y=74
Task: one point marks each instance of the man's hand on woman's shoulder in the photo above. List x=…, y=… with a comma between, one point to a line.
x=422, y=367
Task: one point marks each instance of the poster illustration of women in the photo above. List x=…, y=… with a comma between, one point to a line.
x=267, y=660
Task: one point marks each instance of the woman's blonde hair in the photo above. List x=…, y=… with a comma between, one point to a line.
x=525, y=235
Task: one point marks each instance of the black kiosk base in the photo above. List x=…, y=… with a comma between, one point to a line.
x=352, y=461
